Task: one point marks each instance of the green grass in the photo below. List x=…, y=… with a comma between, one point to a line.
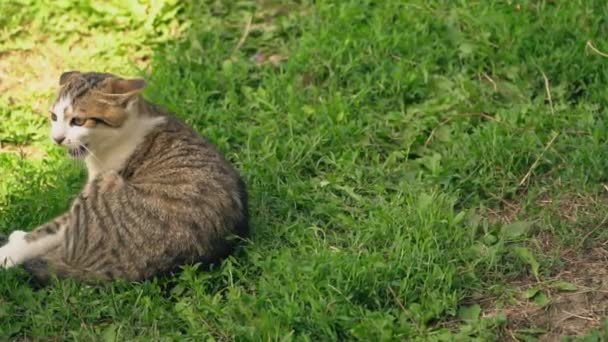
x=404, y=162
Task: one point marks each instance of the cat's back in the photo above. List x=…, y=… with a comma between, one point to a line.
x=175, y=152
x=174, y=164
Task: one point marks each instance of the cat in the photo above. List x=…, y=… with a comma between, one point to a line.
x=158, y=195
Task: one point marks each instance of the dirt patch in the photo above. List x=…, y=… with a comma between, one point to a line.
x=578, y=312
x=574, y=207
x=571, y=207
x=18, y=67
x=34, y=73
x=24, y=151
x=505, y=214
x=568, y=313
x=574, y=300
x=24, y=73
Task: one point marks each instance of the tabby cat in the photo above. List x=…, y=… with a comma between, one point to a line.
x=158, y=196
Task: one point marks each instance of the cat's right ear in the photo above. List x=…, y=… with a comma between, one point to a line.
x=66, y=76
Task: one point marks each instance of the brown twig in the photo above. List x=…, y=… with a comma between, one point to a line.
x=445, y=121
x=244, y=36
x=512, y=335
x=548, y=90
x=400, y=304
x=490, y=80
x=483, y=115
x=602, y=222
x=535, y=164
x=390, y=289
x=428, y=140
x=570, y=315
x=503, y=201
x=594, y=49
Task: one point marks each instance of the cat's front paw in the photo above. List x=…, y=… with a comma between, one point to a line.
x=10, y=254
x=7, y=259
x=17, y=235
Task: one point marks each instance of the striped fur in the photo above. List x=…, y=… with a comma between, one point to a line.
x=173, y=200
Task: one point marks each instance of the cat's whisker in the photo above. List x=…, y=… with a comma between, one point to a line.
x=91, y=153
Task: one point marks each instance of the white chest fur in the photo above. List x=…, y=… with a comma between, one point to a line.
x=116, y=154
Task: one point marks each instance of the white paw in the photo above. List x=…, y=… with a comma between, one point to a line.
x=12, y=253
x=17, y=235
x=7, y=259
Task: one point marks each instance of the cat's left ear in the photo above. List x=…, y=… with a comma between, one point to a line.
x=119, y=86
x=122, y=92
x=66, y=76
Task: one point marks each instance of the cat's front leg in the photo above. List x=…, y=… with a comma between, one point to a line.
x=23, y=246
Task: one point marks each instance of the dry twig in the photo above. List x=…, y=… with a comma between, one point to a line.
x=491, y=81
x=244, y=36
x=570, y=315
x=535, y=164
x=428, y=140
x=548, y=90
x=445, y=121
x=594, y=49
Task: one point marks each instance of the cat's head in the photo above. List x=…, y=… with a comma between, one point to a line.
x=92, y=110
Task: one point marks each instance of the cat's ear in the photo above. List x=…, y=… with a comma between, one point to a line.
x=121, y=92
x=66, y=76
x=119, y=86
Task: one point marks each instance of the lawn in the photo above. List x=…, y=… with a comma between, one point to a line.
x=418, y=170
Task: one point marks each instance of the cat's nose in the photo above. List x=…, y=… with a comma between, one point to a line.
x=59, y=140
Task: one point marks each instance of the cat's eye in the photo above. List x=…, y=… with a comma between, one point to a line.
x=77, y=121
x=53, y=116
